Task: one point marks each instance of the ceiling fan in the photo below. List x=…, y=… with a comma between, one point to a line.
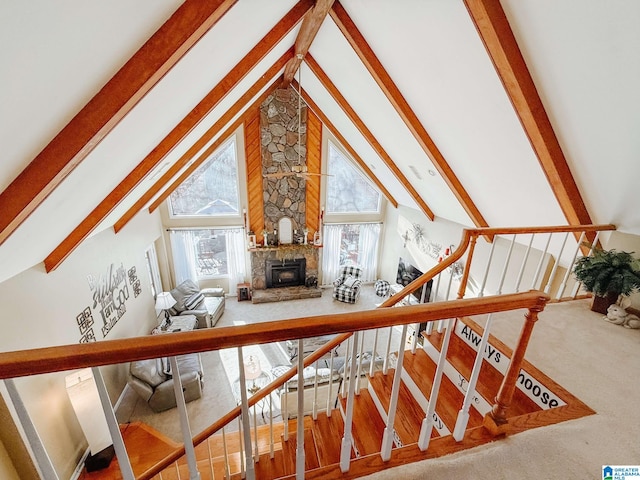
x=299, y=171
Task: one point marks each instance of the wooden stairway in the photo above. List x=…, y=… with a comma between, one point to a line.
x=323, y=436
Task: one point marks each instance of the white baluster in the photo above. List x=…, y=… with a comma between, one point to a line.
x=43, y=461
x=241, y=443
x=487, y=268
x=563, y=285
x=441, y=323
x=556, y=264
x=347, y=439
x=539, y=267
x=506, y=264
x=414, y=340
x=463, y=414
x=271, y=442
x=250, y=471
x=315, y=394
x=360, y=355
x=189, y=451
x=330, y=396
x=285, y=409
x=576, y=287
x=112, y=423
x=210, y=457
x=374, y=353
x=427, y=422
x=387, y=437
x=346, y=359
x=524, y=263
x=385, y=364
x=227, y=470
x=300, y=419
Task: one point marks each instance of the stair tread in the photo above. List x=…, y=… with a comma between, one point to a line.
x=289, y=448
x=422, y=370
x=462, y=356
x=329, y=432
x=368, y=426
x=409, y=414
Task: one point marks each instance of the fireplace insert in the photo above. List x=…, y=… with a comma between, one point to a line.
x=285, y=273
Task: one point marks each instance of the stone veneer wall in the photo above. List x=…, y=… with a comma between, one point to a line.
x=259, y=258
x=281, y=150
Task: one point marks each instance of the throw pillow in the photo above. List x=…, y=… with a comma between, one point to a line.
x=349, y=281
x=193, y=301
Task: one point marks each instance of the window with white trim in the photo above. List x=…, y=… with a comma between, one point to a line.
x=348, y=190
x=212, y=190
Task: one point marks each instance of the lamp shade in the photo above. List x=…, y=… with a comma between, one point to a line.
x=165, y=301
x=252, y=368
x=83, y=393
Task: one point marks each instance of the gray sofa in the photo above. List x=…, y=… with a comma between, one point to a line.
x=191, y=301
x=152, y=380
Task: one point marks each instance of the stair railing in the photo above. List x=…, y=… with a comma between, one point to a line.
x=467, y=245
x=71, y=357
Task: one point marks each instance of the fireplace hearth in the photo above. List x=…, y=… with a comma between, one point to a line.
x=285, y=273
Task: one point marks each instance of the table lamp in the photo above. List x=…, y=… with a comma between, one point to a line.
x=164, y=302
x=252, y=370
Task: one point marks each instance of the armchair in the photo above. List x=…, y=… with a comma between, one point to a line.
x=346, y=288
x=152, y=380
x=191, y=301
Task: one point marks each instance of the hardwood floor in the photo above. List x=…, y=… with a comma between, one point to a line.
x=323, y=436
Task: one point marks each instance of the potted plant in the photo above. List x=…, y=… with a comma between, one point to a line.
x=607, y=274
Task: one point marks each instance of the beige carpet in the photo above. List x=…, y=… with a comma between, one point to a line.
x=596, y=361
x=221, y=367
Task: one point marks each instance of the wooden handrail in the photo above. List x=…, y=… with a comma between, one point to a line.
x=70, y=357
x=235, y=412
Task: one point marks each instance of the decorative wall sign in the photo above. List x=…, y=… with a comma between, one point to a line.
x=110, y=293
x=85, y=325
x=134, y=281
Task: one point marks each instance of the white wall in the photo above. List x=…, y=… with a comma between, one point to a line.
x=41, y=309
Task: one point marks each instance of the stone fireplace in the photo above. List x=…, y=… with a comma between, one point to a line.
x=285, y=273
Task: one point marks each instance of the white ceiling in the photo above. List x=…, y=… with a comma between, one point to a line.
x=582, y=56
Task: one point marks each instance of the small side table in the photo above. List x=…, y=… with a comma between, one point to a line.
x=180, y=323
x=244, y=291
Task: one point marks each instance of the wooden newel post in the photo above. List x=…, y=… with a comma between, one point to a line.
x=496, y=420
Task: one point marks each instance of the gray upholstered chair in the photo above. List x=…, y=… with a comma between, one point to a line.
x=152, y=380
x=191, y=301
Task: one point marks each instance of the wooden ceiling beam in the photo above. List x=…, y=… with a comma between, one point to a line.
x=189, y=23
x=367, y=134
x=501, y=45
x=179, y=132
x=311, y=23
x=347, y=146
x=397, y=100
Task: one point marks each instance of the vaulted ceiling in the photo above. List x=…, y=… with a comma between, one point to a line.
x=482, y=112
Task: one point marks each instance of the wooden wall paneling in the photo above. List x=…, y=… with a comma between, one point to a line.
x=253, y=155
x=314, y=165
